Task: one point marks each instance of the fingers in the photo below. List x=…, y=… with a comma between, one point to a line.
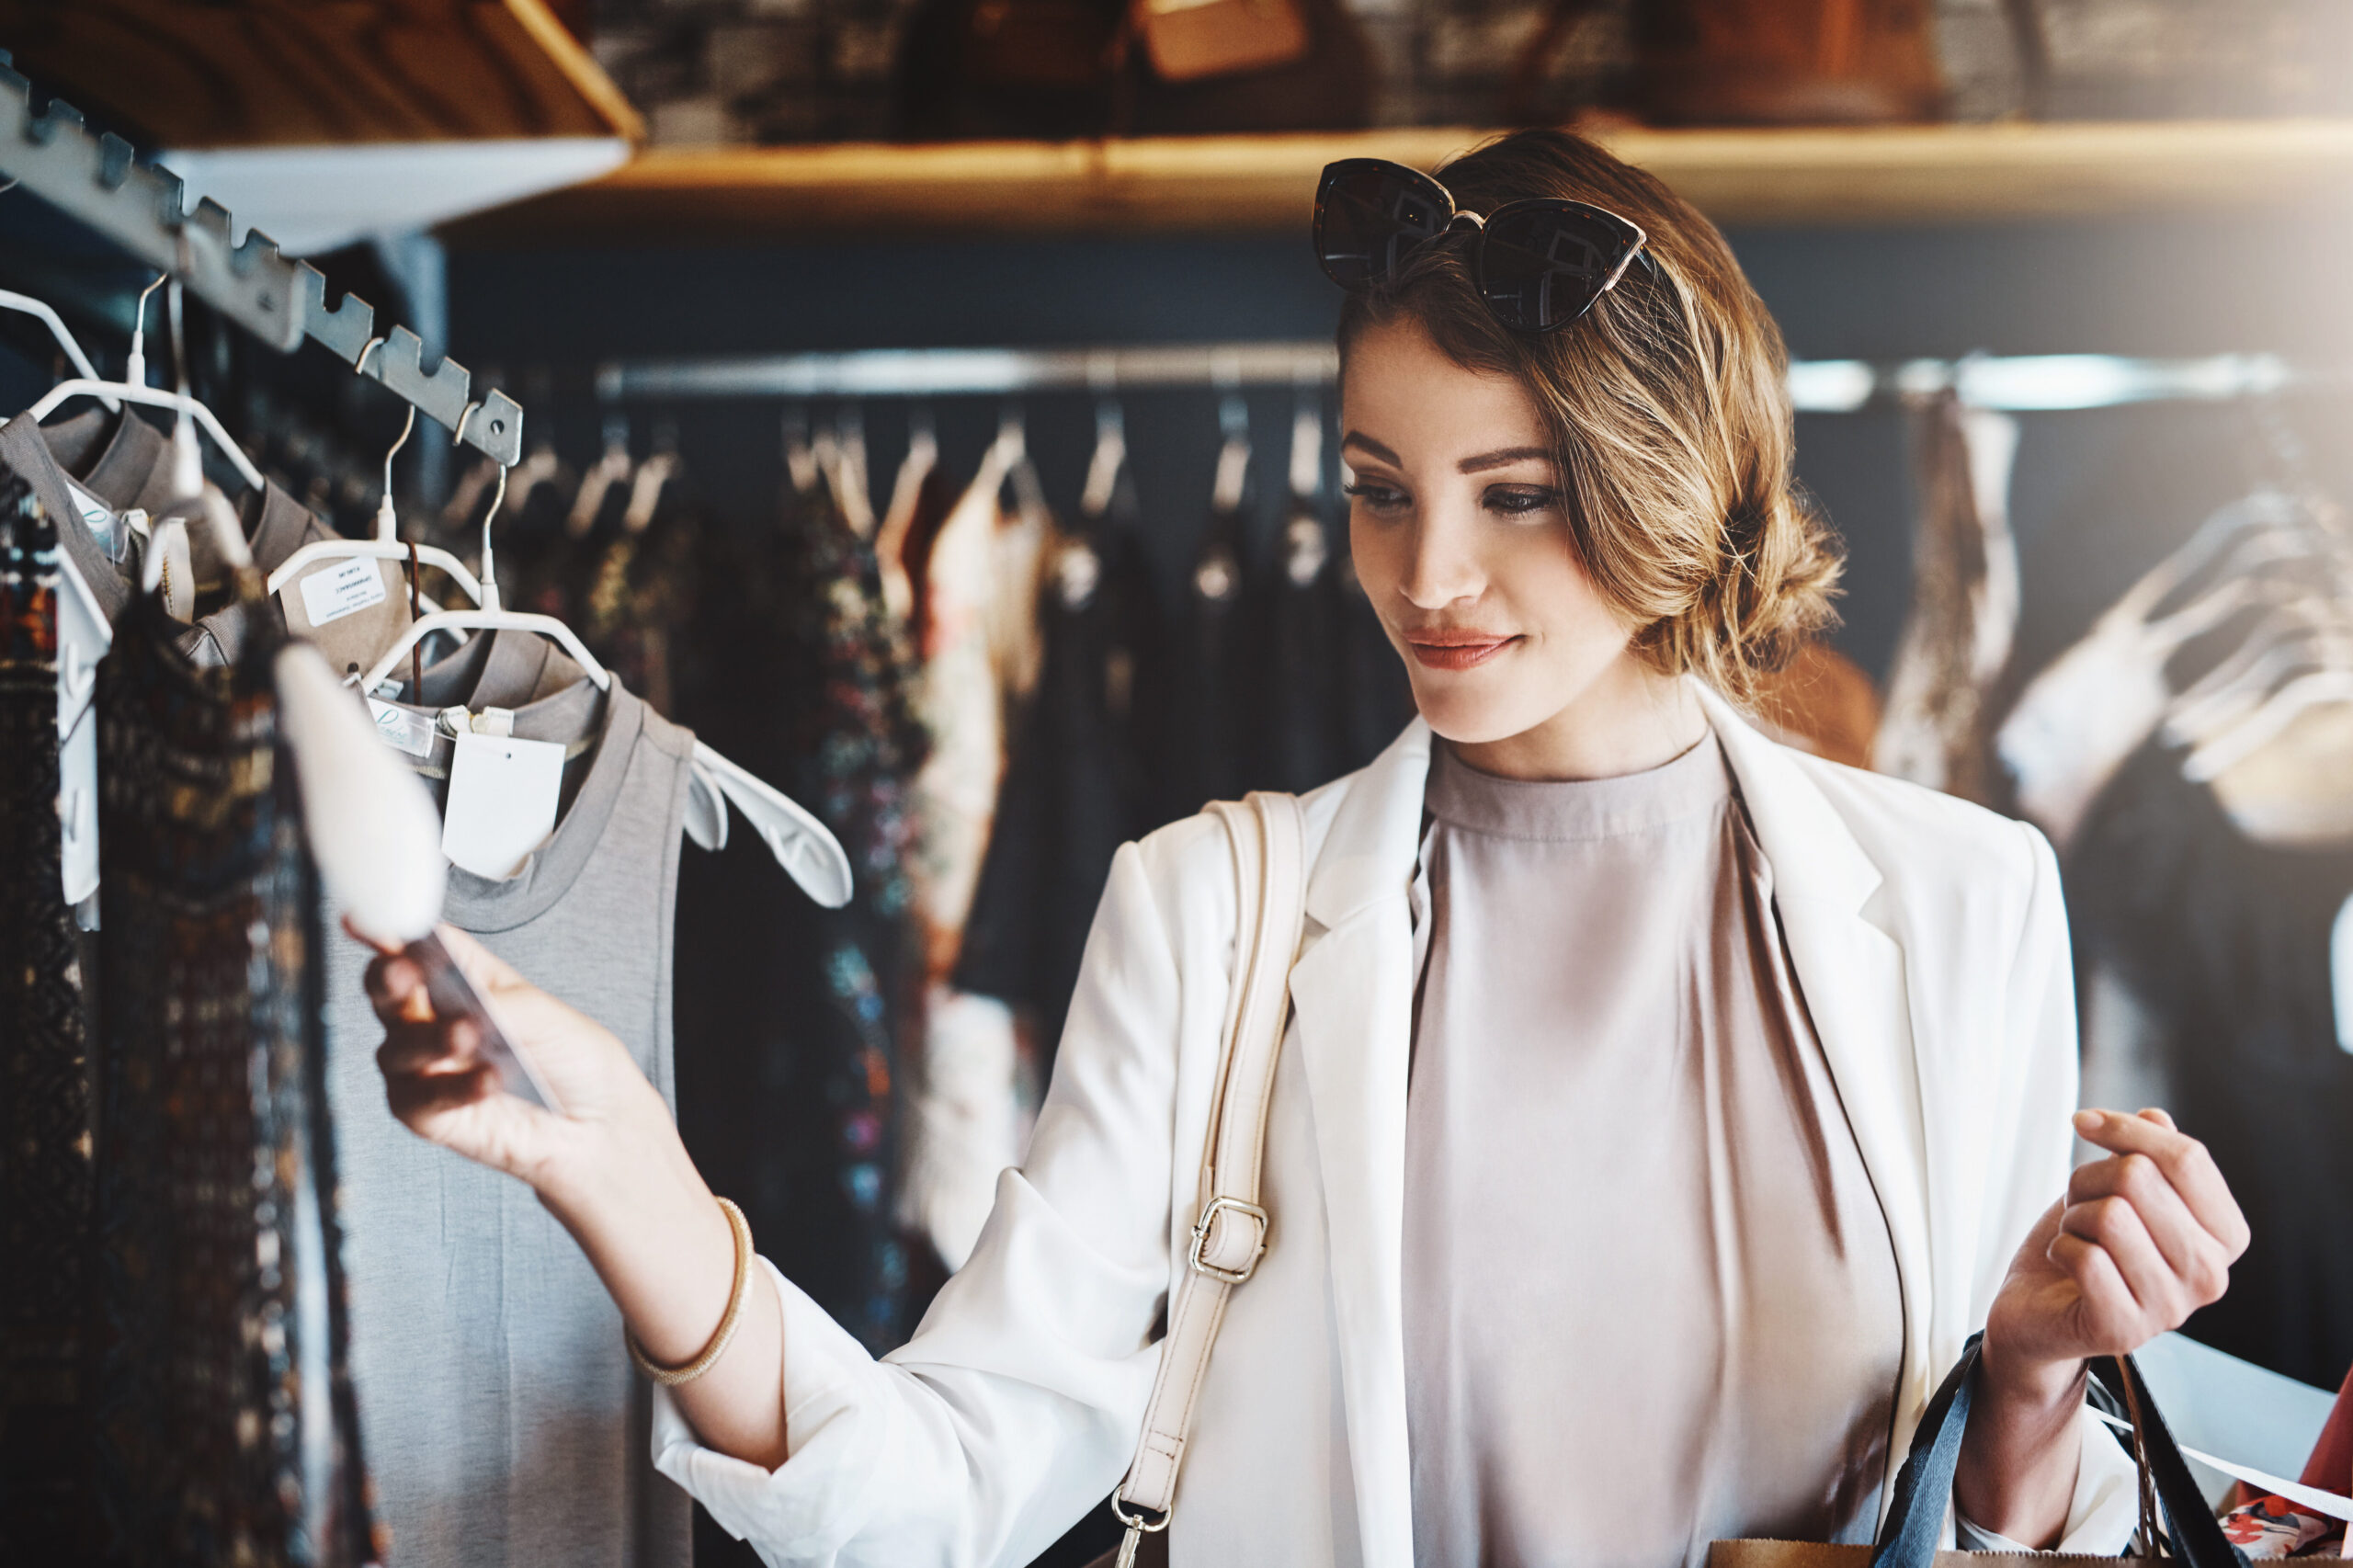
x=415, y=1098
x=2160, y=1298
x=397, y=990
x=2183, y=1161
x=2111, y=1316
x=2196, y=1256
x=430, y=1049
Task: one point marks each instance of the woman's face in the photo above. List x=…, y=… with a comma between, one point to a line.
x=1460, y=528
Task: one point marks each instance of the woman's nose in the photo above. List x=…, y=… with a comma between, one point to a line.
x=1442, y=569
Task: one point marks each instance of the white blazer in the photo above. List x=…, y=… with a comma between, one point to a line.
x=1929, y=942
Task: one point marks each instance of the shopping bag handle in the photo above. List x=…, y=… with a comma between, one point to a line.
x=1915, y=1525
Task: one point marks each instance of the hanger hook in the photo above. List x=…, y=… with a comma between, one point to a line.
x=407, y=424
x=137, y=370
x=489, y=562
x=359, y=366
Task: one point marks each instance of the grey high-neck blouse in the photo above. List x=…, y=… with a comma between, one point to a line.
x=1650, y=1295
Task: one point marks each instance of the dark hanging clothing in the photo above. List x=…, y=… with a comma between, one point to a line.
x=786, y=1012
x=2226, y=942
x=1302, y=738
x=47, y=1509
x=1074, y=790
x=1376, y=695
x=227, y=1428
x=1204, y=752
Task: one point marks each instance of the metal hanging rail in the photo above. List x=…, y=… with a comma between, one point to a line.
x=955, y=372
x=2021, y=384
x=144, y=208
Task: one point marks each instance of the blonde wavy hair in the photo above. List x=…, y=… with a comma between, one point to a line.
x=1668, y=404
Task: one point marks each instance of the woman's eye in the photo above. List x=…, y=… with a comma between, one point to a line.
x=1378, y=497
x=1519, y=500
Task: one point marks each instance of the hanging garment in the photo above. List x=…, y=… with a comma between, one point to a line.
x=1376, y=694
x=972, y=651
x=2225, y=943
x=1302, y=613
x=88, y=529
x=132, y=469
x=636, y=599
x=505, y=1423
x=1964, y=603
x=981, y=658
x=2090, y=708
x=1206, y=754
x=788, y=1014
x=1073, y=790
x=227, y=1430
x=48, y=1513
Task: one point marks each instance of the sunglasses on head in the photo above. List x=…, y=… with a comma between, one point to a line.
x=1540, y=263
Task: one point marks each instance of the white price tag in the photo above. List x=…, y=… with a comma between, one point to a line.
x=403, y=730
x=502, y=802
x=345, y=588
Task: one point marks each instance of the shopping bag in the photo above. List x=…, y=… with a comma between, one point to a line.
x=2278, y=1520
x=2170, y=1500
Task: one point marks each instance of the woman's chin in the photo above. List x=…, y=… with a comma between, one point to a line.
x=1470, y=718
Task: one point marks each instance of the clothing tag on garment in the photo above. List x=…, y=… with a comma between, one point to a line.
x=343, y=588
x=401, y=730
x=96, y=517
x=353, y=609
x=502, y=802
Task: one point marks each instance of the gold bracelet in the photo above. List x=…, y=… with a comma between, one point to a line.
x=671, y=1377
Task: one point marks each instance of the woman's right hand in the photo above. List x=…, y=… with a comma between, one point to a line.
x=442, y=1088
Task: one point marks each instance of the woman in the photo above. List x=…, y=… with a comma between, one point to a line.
x=1661, y=1108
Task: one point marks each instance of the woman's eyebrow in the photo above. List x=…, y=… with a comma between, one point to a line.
x=1372, y=448
x=1501, y=458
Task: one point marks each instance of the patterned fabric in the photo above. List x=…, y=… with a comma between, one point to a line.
x=227, y=1428
x=46, y=1508
x=787, y=1014
x=2270, y=1527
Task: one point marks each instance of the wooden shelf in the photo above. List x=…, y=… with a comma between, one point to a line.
x=1894, y=175
x=241, y=74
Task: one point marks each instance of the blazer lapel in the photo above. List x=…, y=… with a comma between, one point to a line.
x=1851, y=974
x=1352, y=989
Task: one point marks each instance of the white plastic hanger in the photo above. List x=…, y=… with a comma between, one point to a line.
x=28, y=305
x=133, y=388
x=386, y=545
x=801, y=845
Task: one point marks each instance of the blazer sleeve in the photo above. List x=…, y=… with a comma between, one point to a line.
x=1016, y=1407
x=2032, y=1153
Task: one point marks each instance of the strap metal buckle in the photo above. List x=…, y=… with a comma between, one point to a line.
x=1201, y=1237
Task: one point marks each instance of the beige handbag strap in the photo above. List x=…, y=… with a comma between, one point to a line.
x=1231, y=1231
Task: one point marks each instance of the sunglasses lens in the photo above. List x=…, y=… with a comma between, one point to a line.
x=1542, y=265
x=1368, y=217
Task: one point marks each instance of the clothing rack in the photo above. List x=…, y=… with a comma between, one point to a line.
x=2023, y=383
x=142, y=208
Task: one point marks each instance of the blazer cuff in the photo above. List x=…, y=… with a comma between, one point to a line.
x=835, y=1434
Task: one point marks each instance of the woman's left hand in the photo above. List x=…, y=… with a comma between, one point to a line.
x=2144, y=1238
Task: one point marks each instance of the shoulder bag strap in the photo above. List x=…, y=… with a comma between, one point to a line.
x=1231, y=1231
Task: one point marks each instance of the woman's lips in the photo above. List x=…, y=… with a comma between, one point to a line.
x=1457, y=651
